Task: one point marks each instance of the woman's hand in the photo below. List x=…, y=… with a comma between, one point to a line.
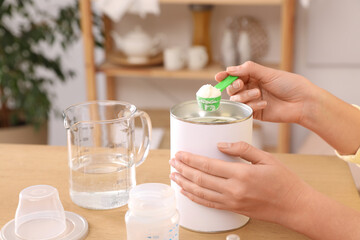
x=274, y=95
x=264, y=190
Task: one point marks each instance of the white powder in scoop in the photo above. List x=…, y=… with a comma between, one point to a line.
x=208, y=91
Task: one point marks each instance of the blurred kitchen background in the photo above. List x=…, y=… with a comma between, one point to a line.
x=326, y=50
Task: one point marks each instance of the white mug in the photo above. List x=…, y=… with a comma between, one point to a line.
x=174, y=58
x=197, y=57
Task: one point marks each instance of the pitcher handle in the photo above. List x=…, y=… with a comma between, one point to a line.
x=145, y=143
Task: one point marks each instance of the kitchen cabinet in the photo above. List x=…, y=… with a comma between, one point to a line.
x=112, y=71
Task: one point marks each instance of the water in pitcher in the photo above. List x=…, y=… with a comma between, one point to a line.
x=102, y=181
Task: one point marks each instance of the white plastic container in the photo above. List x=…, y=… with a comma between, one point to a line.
x=152, y=213
x=198, y=132
x=41, y=216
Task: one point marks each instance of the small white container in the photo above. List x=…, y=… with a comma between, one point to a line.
x=174, y=58
x=197, y=57
x=152, y=213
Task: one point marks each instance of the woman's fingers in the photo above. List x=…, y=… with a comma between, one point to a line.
x=235, y=87
x=257, y=105
x=207, y=165
x=198, y=177
x=246, y=95
x=197, y=190
x=221, y=76
x=250, y=97
x=250, y=70
x=203, y=201
x=245, y=151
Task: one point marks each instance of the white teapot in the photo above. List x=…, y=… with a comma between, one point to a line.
x=137, y=45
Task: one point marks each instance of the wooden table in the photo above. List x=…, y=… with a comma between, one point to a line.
x=25, y=165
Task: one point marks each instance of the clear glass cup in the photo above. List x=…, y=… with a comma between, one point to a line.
x=40, y=214
x=102, y=152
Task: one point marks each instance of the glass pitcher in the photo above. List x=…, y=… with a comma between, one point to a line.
x=102, y=152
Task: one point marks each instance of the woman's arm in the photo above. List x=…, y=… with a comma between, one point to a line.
x=319, y=217
x=336, y=121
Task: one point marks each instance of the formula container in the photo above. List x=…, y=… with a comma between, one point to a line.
x=198, y=132
x=152, y=213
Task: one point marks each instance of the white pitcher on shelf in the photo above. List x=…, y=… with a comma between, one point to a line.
x=243, y=42
x=137, y=45
x=243, y=47
x=228, y=51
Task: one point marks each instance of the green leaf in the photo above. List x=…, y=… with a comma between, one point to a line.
x=22, y=88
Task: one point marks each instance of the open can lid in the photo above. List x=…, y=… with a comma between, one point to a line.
x=228, y=112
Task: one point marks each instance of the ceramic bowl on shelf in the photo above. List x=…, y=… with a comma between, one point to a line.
x=137, y=46
x=120, y=58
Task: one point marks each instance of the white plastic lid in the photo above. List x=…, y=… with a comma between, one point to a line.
x=232, y=237
x=76, y=229
x=152, y=199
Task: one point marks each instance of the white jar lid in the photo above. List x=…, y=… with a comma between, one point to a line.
x=76, y=228
x=152, y=198
x=232, y=237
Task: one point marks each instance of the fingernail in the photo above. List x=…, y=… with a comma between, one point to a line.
x=179, y=155
x=236, y=84
x=223, y=145
x=232, y=68
x=235, y=98
x=262, y=104
x=171, y=162
x=173, y=176
x=176, y=163
x=253, y=93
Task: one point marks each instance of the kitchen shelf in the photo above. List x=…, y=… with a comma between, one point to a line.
x=224, y=2
x=113, y=70
x=201, y=22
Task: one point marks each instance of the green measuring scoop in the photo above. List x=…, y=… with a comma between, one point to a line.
x=212, y=104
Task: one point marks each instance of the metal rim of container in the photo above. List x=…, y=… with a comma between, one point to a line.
x=206, y=123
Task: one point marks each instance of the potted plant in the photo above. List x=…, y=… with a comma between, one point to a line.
x=27, y=71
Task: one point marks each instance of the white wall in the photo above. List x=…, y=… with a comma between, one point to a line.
x=175, y=21
x=342, y=79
